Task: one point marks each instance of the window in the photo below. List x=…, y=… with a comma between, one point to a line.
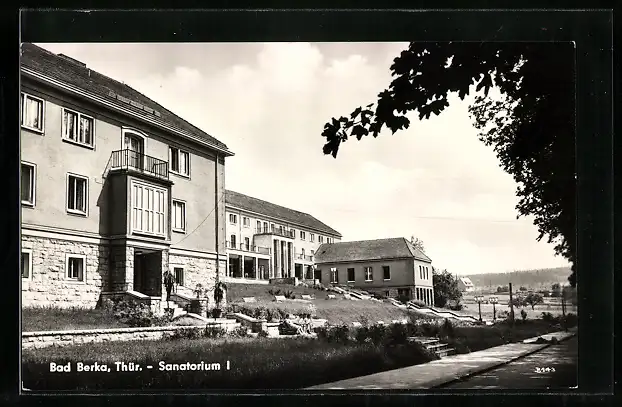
x=32, y=112
x=334, y=275
x=179, y=275
x=303, y=252
x=258, y=225
x=247, y=243
x=265, y=227
x=320, y=239
x=369, y=274
x=302, y=235
x=350, y=275
x=77, y=194
x=233, y=240
x=179, y=161
x=75, y=264
x=28, y=184
x=179, y=216
x=148, y=209
x=246, y=222
x=311, y=237
x=233, y=219
x=78, y=128
x=26, y=263
x=272, y=227
x=386, y=272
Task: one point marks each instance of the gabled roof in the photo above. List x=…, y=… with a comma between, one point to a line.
x=241, y=201
x=69, y=71
x=466, y=281
x=366, y=250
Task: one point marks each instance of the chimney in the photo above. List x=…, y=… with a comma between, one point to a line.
x=75, y=61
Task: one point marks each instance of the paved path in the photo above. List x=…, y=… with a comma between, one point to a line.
x=443, y=371
x=554, y=367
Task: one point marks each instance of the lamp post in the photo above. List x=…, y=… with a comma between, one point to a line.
x=479, y=299
x=494, y=301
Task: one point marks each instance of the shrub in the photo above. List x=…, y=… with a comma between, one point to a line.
x=339, y=334
x=322, y=332
x=403, y=298
x=419, y=303
x=447, y=329
x=132, y=313
x=362, y=335
x=397, y=334
x=239, y=332
x=456, y=306
x=213, y=331
x=523, y=314
x=289, y=295
x=571, y=320
x=274, y=292
x=548, y=317
x=184, y=333
x=377, y=334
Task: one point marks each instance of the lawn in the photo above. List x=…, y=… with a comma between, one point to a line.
x=53, y=319
x=235, y=292
x=487, y=310
x=253, y=363
x=473, y=338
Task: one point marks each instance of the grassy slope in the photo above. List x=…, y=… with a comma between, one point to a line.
x=336, y=311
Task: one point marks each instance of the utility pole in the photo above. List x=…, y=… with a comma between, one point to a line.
x=511, y=305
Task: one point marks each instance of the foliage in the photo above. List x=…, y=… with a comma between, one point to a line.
x=517, y=302
x=418, y=243
x=289, y=295
x=456, y=306
x=523, y=314
x=556, y=290
x=214, y=331
x=185, y=333
x=200, y=291
x=419, y=303
x=503, y=289
x=274, y=292
x=403, y=298
x=445, y=288
x=522, y=288
x=531, y=128
x=533, y=299
x=570, y=293
x=447, y=329
x=136, y=314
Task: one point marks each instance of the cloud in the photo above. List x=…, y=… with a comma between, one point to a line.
x=269, y=102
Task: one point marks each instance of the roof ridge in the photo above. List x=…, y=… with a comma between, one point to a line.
x=272, y=203
x=211, y=140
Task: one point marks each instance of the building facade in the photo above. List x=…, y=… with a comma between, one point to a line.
x=388, y=267
x=465, y=284
x=115, y=189
x=268, y=241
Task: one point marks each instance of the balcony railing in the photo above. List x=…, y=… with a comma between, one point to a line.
x=306, y=257
x=129, y=159
x=275, y=231
x=248, y=248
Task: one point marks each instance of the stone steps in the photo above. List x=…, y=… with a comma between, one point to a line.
x=435, y=345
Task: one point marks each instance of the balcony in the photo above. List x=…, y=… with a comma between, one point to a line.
x=276, y=231
x=136, y=161
x=248, y=248
x=301, y=256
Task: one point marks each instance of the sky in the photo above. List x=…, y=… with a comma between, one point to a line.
x=268, y=102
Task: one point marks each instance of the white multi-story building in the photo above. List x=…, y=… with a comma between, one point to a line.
x=266, y=241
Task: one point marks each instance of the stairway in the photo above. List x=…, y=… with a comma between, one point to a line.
x=434, y=345
x=177, y=310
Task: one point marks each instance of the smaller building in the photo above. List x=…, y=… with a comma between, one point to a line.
x=465, y=284
x=389, y=267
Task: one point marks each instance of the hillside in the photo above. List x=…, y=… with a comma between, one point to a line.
x=533, y=279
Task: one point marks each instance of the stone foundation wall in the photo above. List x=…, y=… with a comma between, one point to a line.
x=37, y=340
x=48, y=285
x=198, y=270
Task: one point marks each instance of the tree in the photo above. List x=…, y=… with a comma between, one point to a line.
x=445, y=288
x=522, y=288
x=556, y=290
x=418, y=243
x=517, y=301
x=533, y=299
x=531, y=128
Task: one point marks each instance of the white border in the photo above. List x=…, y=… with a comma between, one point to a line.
x=29, y=251
x=174, y=229
x=33, y=183
x=75, y=256
x=86, y=198
x=21, y=110
x=170, y=164
x=63, y=129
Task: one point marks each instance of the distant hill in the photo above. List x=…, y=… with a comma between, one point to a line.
x=532, y=279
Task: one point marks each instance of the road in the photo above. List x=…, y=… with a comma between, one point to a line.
x=554, y=367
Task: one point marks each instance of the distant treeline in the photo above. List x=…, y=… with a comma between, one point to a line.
x=531, y=279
